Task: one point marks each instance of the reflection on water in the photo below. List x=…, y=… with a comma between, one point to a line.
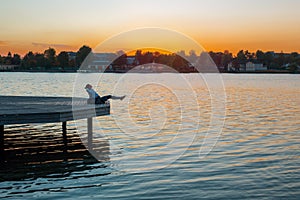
x=33, y=152
x=256, y=157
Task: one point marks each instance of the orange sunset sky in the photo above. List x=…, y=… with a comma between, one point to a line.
x=217, y=25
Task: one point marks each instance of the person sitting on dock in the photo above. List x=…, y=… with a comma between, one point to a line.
x=94, y=97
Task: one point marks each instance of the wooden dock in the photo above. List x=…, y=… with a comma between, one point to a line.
x=31, y=109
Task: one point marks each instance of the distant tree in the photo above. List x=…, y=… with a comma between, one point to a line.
x=226, y=59
x=8, y=59
x=28, y=61
x=205, y=62
x=292, y=58
x=280, y=60
x=293, y=67
x=295, y=54
x=41, y=61
x=249, y=55
x=179, y=64
x=268, y=59
x=193, y=56
x=16, y=60
x=260, y=56
x=236, y=65
x=139, y=57
x=274, y=65
x=50, y=57
x=63, y=59
x=148, y=57
x=81, y=54
x=181, y=53
x=165, y=59
x=241, y=57
x=72, y=63
x=298, y=60
x=121, y=60
x=156, y=54
x=217, y=57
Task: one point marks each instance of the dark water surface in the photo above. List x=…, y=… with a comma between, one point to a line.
x=154, y=153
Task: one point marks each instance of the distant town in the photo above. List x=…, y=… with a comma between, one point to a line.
x=84, y=60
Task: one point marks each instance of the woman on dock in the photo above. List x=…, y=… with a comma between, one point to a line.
x=94, y=97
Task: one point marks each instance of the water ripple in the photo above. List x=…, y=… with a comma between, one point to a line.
x=256, y=157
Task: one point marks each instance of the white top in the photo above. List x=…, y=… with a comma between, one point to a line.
x=92, y=93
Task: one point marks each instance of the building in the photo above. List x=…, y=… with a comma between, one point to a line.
x=231, y=68
x=248, y=67
x=261, y=67
x=8, y=67
x=99, y=63
x=252, y=67
x=131, y=61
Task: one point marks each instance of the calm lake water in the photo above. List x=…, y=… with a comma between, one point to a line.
x=175, y=136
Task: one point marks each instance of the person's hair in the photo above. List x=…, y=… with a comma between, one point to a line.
x=88, y=86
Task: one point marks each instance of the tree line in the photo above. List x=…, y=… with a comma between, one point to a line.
x=49, y=60
x=173, y=60
x=180, y=61
x=270, y=59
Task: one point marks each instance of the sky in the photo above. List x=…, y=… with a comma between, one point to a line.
x=216, y=25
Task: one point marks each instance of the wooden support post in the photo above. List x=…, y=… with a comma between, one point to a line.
x=90, y=133
x=2, y=156
x=64, y=130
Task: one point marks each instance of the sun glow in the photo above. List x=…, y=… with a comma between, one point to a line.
x=217, y=25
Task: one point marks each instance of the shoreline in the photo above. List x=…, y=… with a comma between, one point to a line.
x=118, y=72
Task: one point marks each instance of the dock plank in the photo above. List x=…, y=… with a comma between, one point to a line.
x=32, y=109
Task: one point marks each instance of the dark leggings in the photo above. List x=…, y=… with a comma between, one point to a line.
x=99, y=100
x=102, y=100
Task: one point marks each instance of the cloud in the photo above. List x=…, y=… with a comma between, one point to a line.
x=46, y=45
x=3, y=43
